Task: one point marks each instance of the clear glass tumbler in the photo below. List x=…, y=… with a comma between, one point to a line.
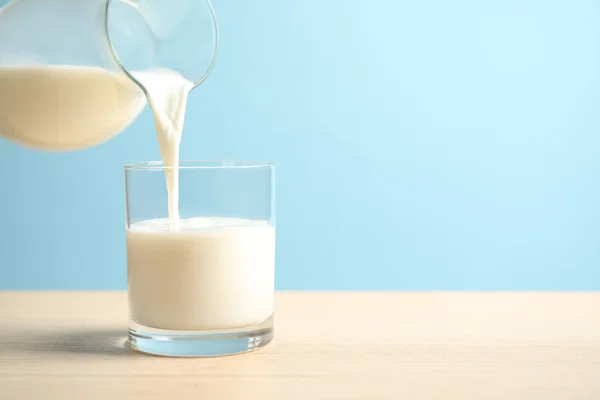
x=206, y=286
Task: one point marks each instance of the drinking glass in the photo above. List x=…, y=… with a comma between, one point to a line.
x=204, y=287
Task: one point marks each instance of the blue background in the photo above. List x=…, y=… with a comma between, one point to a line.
x=420, y=145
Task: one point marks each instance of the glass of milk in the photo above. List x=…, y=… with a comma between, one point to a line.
x=202, y=285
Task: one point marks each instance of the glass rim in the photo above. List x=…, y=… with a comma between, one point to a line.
x=199, y=164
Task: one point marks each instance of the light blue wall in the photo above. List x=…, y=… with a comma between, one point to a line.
x=420, y=145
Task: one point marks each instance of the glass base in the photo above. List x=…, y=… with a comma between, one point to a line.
x=199, y=343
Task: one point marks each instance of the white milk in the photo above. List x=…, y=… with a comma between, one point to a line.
x=65, y=107
x=167, y=93
x=211, y=273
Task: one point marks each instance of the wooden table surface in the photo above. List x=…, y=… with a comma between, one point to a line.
x=328, y=345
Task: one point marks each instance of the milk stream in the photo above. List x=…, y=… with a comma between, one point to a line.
x=167, y=94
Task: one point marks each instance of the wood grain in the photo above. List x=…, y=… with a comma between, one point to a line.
x=340, y=345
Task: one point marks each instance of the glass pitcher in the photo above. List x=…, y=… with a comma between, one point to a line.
x=67, y=67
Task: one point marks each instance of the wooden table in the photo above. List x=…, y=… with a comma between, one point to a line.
x=328, y=346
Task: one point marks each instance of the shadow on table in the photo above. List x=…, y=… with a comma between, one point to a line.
x=109, y=342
